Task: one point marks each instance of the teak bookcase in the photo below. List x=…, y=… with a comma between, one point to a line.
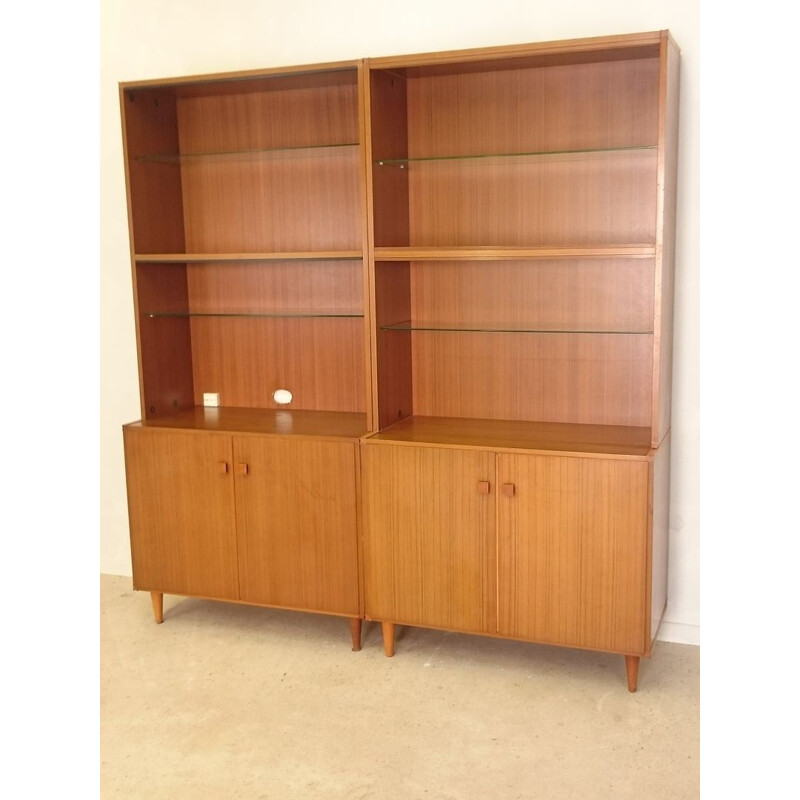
x=460, y=265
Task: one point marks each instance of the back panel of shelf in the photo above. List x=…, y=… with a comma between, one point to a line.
x=540, y=155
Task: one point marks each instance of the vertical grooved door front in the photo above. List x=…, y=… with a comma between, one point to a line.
x=181, y=509
x=429, y=536
x=572, y=551
x=297, y=521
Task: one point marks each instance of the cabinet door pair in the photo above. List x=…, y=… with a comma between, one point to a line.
x=541, y=548
x=262, y=520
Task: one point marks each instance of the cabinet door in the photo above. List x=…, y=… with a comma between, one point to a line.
x=429, y=546
x=572, y=552
x=181, y=510
x=297, y=520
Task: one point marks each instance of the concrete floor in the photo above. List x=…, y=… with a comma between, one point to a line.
x=227, y=701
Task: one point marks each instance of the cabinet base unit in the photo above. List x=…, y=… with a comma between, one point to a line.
x=257, y=519
x=552, y=548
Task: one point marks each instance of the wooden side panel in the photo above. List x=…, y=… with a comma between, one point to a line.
x=245, y=359
x=181, y=510
x=572, y=551
x=151, y=127
x=296, y=511
x=429, y=542
x=593, y=379
x=659, y=557
x=389, y=127
x=395, y=377
x=165, y=342
x=665, y=239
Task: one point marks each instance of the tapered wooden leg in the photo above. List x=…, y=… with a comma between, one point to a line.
x=387, y=629
x=632, y=668
x=355, y=633
x=158, y=605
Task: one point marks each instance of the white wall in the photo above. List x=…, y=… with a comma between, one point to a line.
x=160, y=38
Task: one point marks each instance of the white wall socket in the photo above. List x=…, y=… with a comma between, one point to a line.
x=211, y=399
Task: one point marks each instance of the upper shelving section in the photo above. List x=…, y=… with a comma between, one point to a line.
x=551, y=147
x=246, y=206
x=257, y=164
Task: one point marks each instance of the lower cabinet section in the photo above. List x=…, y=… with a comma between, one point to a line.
x=543, y=548
x=556, y=549
x=262, y=520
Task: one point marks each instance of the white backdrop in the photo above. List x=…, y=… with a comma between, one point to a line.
x=143, y=39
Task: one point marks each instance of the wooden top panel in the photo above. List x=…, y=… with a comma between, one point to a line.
x=260, y=80
x=272, y=422
x=510, y=435
x=568, y=51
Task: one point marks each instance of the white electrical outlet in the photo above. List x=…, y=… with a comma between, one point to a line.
x=211, y=399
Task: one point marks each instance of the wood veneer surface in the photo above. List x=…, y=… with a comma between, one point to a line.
x=296, y=515
x=272, y=422
x=181, y=509
x=501, y=435
x=429, y=544
x=572, y=551
x=596, y=379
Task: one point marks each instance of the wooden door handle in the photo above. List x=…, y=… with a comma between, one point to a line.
x=242, y=469
x=509, y=489
x=222, y=466
x=484, y=487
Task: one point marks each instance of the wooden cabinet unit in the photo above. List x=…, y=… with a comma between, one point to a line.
x=459, y=267
x=522, y=206
x=248, y=245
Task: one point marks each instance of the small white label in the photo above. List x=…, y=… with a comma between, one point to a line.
x=282, y=397
x=211, y=399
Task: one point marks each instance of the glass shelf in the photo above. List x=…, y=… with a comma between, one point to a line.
x=508, y=158
x=261, y=154
x=504, y=327
x=289, y=314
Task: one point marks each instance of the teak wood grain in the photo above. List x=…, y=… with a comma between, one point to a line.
x=659, y=538
x=181, y=511
x=572, y=551
x=245, y=359
x=394, y=359
x=429, y=549
x=264, y=421
x=165, y=343
x=602, y=379
x=505, y=435
x=665, y=237
x=597, y=294
x=296, y=514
